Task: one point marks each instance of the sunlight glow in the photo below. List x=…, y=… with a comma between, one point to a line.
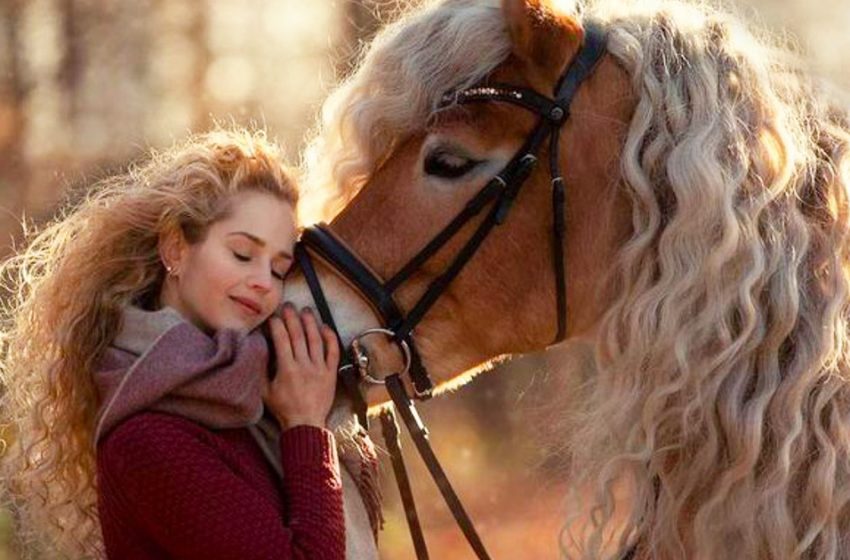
x=564, y=6
x=230, y=79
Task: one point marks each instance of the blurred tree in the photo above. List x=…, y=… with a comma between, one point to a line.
x=197, y=35
x=71, y=63
x=13, y=168
x=176, y=66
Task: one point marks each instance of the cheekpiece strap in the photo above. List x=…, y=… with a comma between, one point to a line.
x=553, y=114
x=347, y=372
x=320, y=239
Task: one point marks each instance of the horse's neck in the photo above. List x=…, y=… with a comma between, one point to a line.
x=359, y=542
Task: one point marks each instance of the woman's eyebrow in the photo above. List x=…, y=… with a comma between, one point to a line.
x=259, y=242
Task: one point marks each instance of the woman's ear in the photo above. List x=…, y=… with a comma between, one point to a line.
x=172, y=250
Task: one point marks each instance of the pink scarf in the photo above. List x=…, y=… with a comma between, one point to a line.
x=161, y=362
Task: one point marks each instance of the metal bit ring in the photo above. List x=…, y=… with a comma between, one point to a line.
x=362, y=361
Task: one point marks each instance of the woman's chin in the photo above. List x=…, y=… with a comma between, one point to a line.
x=239, y=324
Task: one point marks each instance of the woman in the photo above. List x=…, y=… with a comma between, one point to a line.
x=136, y=370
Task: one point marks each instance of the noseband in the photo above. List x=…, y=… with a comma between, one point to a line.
x=498, y=195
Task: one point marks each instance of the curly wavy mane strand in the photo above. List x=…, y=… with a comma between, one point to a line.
x=721, y=394
x=65, y=294
x=721, y=398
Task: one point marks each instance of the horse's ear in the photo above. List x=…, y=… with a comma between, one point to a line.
x=542, y=38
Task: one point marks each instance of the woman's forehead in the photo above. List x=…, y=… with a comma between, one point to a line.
x=260, y=218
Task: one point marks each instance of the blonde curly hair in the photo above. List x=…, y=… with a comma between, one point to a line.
x=65, y=291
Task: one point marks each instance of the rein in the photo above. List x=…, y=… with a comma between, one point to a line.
x=499, y=193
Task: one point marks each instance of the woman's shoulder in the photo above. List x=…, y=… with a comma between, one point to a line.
x=153, y=420
x=153, y=433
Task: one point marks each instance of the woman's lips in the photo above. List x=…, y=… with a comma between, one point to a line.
x=247, y=305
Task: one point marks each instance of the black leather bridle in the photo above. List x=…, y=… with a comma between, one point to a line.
x=498, y=195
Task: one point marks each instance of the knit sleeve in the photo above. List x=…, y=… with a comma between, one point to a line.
x=183, y=496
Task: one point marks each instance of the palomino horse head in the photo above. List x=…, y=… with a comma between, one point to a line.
x=706, y=251
x=504, y=300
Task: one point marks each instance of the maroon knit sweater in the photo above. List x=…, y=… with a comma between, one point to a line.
x=172, y=489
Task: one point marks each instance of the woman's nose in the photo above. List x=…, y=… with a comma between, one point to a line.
x=261, y=281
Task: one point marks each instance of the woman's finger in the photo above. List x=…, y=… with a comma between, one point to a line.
x=331, y=348
x=292, y=321
x=314, y=339
x=282, y=344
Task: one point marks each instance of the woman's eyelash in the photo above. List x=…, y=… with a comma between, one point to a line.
x=246, y=258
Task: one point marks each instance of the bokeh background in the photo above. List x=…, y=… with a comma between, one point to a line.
x=86, y=86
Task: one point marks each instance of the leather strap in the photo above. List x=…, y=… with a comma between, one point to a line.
x=321, y=239
x=389, y=427
x=472, y=209
x=553, y=113
x=526, y=98
x=348, y=373
x=419, y=434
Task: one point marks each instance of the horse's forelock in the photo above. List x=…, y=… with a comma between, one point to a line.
x=396, y=86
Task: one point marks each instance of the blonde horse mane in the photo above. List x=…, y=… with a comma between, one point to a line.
x=721, y=395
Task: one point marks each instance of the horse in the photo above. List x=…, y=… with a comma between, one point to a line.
x=705, y=258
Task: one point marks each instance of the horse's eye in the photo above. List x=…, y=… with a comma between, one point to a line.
x=448, y=165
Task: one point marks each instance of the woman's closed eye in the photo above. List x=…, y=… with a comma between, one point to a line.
x=247, y=258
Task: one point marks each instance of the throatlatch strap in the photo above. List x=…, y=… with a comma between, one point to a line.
x=559, y=227
x=588, y=58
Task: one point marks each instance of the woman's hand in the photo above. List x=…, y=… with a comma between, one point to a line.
x=303, y=388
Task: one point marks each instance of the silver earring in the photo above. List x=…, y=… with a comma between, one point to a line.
x=169, y=270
